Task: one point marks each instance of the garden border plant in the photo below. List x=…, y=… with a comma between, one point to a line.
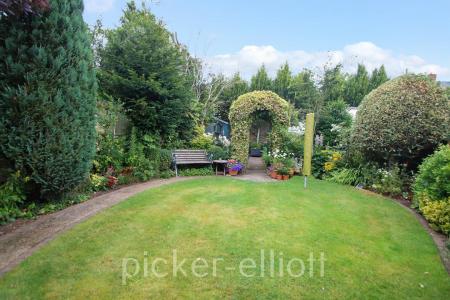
x=240, y=118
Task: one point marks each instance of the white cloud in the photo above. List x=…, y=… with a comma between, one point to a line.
x=98, y=6
x=249, y=59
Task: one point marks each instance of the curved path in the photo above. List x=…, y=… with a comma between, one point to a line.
x=20, y=243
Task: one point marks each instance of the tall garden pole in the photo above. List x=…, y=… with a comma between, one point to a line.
x=309, y=135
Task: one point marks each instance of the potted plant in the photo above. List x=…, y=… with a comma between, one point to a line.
x=284, y=172
x=234, y=167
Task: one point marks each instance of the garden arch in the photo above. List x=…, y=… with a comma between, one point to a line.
x=241, y=119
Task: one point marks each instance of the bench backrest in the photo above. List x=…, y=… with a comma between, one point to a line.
x=190, y=156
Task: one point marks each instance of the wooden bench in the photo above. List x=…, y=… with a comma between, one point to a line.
x=190, y=157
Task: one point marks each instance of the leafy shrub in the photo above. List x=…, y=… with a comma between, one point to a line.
x=98, y=182
x=333, y=119
x=202, y=140
x=388, y=181
x=143, y=168
x=402, y=120
x=167, y=174
x=349, y=176
x=217, y=152
x=110, y=153
x=126, y=179
x=12, y=194
x=324, y=161
x=206, y=171
x=292, y=144
x=165, y=160
x=433, y=177
x=437, y=213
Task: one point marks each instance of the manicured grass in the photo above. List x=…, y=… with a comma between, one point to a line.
x=373, y=247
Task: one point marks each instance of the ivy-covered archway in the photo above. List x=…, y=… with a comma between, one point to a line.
x=241, y=119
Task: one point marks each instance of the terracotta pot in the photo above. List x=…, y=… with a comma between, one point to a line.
x=273, y=174
x=279, y=177
x=285, y=177
x=233, y=172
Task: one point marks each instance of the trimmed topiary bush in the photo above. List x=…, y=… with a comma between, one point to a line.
x=403, y=120
x=241, y=119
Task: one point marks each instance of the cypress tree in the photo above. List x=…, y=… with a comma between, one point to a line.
x=282, y=82
x=261, y=80
x=47, y=97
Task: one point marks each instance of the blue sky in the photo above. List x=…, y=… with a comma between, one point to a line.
x=240, y=35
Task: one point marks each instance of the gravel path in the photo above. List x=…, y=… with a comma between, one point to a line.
x=21, y=242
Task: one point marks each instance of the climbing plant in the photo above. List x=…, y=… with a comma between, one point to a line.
x=241, y=112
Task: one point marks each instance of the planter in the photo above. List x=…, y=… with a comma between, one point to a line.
x=285, y=177
x=233, y=172
x=273, y=174
x=279, y=177
x=255, y=152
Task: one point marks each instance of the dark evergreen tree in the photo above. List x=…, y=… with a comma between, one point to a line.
x=378, y=77
x=333, y=118
x=261, y=80
x=47, y=96
x=333, y=84
x=357, y=86
x=235, y=87
x=144, y=66
x=282, y=82
x=304, y=93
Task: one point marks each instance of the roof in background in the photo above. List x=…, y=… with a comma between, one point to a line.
x=444, y=83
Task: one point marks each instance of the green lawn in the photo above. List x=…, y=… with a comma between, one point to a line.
x=373, y=247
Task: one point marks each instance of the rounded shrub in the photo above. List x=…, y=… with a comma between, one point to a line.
x=403, y=120
x=433, y=177
x=432, y=189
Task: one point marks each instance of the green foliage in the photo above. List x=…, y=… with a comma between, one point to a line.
x=349, y=176
x=202, y=140
x=333, y=84
x=167, y=174
x=98, y=182
x=261, y=81
x=145, y=68
x=357, y=86
x=165, y=161
x=143, y=167
x=388, y=181
x=110, y=153
x=234, y=88
x=281, y=84
x=12, y=195
x=241, y=118
x=333, y=119
x=433, y=178
x=292, y=144
x=304, y=93
x=402, y=120
x=377, y=78
x=218, y=152
x=206, y=171
x=437, y=213
x=48, y=88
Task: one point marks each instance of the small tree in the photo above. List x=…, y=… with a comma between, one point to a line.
x=402, y=121
x=235, y=87
x=378, y=77
x=333, y=84
x=48, y=90
x=261, y=81
x=282, y=82
x=144, y=67
x=357, y=86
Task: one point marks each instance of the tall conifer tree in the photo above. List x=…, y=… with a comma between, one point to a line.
x=47, y=96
